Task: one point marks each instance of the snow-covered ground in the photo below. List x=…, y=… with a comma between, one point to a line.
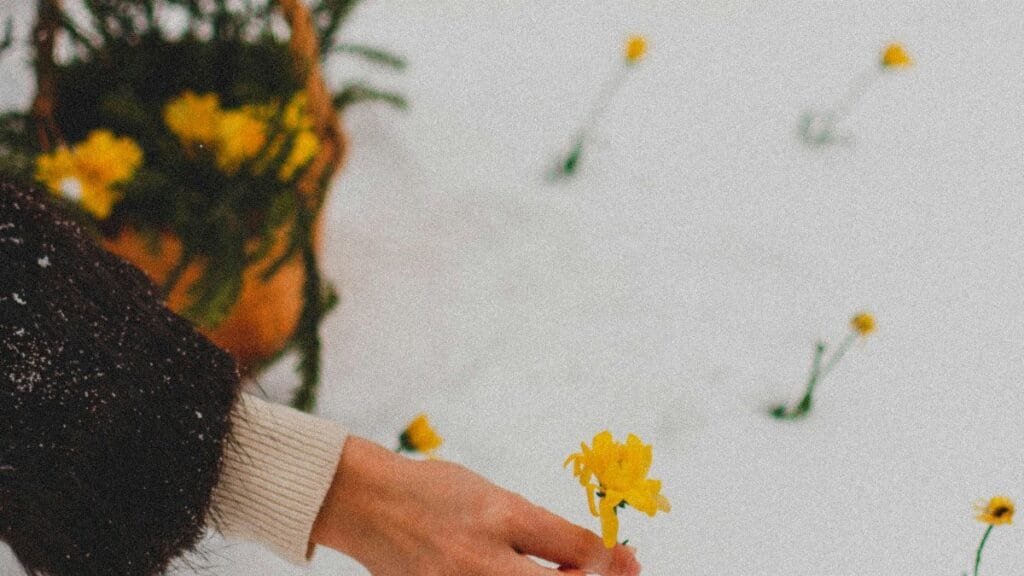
x=675, y=288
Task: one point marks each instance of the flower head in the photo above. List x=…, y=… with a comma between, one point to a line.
x=895, y=56
x=193, y=118
x=617, y=473
x=998, y=510
x=863, y=323
x=241, y=135
x=636, y=48
x=88, y=172
x=419, y=436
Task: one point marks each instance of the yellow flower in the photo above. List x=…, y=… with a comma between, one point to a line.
x=998, y=510
x=296, y=113
x=636, y=48
x=88, y=172
x=419, y=436
x=304, y=147
x=193, y=118
x=240, y=137
x=617, y=473
x=54, y=168
x=896, y=56
x=863, y=323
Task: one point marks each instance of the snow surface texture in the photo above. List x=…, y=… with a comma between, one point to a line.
x=675, y=288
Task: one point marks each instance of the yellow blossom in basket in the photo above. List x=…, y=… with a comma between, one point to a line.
x=420, y=436
x=296, y=113
x=896, y=56
x=617, y=473
x=863, y=323
x=636, y=48
x=193, y=118
x=88, y=172
x=241, y=135
x=998, y=510
x=304, y=147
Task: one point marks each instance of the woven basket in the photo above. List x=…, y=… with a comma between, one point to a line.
x=266, y=314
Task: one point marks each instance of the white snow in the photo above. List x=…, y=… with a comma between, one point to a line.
x=676, y=287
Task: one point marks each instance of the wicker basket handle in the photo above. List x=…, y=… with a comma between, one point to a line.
x=305, y=57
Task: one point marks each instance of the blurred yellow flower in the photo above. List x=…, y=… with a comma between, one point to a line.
x=863, y=323
x=88, y=172
x=296, y=114
x=617, y=473
x=193, y=118
x=304, y=147
x=896, y=56
x=998, y=510
x=419, y=436
x=241, y=135
x=636, y=48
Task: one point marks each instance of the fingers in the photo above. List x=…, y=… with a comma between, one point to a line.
x=540, y=533
x=523, y=566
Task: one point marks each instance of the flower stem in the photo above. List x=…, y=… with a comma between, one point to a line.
x=804, y=406
x=853, y=94
x=818, y=373
x=838, y=354
x=567, y=167
x=977, y=557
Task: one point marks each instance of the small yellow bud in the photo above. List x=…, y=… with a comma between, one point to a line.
x=896, y=56
x=636, y=48
x=420, y=436
x=863, y=323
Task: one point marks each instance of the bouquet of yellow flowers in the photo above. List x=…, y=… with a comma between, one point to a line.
x=198, y=140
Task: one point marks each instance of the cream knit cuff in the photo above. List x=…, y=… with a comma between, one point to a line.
x=278, y=465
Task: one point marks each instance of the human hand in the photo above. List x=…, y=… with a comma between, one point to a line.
x=402, y=517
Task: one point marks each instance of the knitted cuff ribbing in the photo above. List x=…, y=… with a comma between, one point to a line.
x=278, y=466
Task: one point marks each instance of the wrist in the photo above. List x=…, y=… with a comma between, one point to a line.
x=360, y=488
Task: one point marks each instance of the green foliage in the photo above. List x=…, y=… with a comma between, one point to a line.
x=358, y=92
x=125, y=66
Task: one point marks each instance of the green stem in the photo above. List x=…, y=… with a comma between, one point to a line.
x=977, y=557
x=838, y=354
x=567, y=166
x=854, y=93
x=804, y=405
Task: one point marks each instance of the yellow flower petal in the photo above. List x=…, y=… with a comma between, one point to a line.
x=193, y=118
x=609, y=523
x=241, y=135
x=304, y=147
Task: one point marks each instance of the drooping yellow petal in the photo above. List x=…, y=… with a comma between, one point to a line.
x=609, y=522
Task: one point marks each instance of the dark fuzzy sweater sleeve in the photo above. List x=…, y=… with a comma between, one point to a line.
x=113, y=411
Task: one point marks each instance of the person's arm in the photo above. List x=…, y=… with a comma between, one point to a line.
x=292, y=481
x=113, y=410
x=401, y=517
